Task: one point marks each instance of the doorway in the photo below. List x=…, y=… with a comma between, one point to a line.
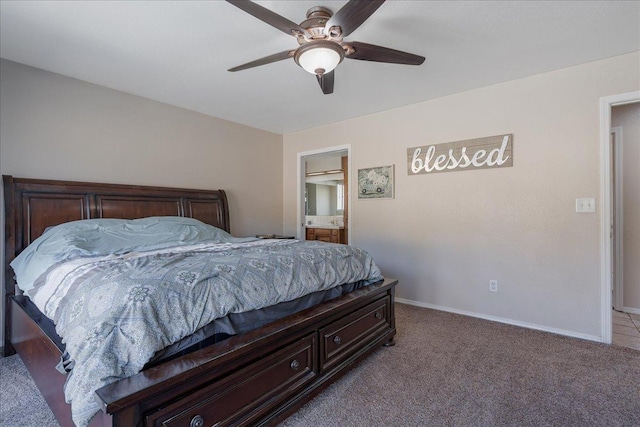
x=337, y=159
x=611, y=251
x=625, y=201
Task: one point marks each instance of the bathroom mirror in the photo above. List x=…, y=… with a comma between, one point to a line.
x=324, y=195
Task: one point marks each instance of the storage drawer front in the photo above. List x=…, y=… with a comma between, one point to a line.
x=236, y=399
x=340, y=339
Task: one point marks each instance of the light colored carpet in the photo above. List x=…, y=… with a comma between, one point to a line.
x=446, y=370
x=452, y=370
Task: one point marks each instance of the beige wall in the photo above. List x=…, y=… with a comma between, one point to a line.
x=445, y=235
x=628, y=118
x=324, y=163
x=60, y=128
x=56, y=127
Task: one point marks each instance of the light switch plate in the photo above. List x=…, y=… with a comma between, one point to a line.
x=586, y=205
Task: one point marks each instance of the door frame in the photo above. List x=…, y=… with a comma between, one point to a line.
x=606, y=103
x=618, y=220
x=301, y=158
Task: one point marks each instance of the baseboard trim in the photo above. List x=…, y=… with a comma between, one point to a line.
x=502, y=320
x=631, y=310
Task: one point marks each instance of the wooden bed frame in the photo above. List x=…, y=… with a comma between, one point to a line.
x=256, y=378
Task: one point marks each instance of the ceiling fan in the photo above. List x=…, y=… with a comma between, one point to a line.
x=320, y=38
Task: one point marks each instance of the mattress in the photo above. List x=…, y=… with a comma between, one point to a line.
x=216, y=331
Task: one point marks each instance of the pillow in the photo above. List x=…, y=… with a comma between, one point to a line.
x=101, y=237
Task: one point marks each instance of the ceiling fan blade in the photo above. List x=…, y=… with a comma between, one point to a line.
x=263, y=61
x=371, y=52
x=271, y=18
x=326, y=82
x=352, y=15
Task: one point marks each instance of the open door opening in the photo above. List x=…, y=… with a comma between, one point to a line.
x=625, y=224
x=323, y=195
x=612, y=214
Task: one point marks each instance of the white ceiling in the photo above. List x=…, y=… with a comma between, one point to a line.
x=177, y=52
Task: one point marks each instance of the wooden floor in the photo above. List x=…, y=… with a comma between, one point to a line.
x=626, y=329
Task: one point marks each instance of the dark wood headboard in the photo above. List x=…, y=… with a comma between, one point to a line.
x=32, y=205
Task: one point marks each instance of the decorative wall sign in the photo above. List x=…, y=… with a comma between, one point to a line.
x=480, y=153
x=375, y=183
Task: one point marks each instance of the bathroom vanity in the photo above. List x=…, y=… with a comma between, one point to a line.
x=331, y=234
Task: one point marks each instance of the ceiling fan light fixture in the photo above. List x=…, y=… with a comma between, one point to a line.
x=319, y=57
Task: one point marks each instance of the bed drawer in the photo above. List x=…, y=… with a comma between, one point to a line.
x=240, y=398
x=341, y=338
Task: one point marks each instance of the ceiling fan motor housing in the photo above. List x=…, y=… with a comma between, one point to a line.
x=315, y=23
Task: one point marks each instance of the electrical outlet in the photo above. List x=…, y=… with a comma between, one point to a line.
x=493, y=285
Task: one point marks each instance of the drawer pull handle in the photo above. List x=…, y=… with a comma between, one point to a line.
x=378, y=315
x=196, y=421
x=336, y=340
x=295, y=365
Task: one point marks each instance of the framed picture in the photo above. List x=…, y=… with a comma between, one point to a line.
x=376, y=183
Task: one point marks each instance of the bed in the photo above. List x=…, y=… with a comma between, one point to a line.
x=257, y=377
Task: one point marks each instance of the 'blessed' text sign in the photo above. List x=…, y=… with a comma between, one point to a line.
x=481, y=153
